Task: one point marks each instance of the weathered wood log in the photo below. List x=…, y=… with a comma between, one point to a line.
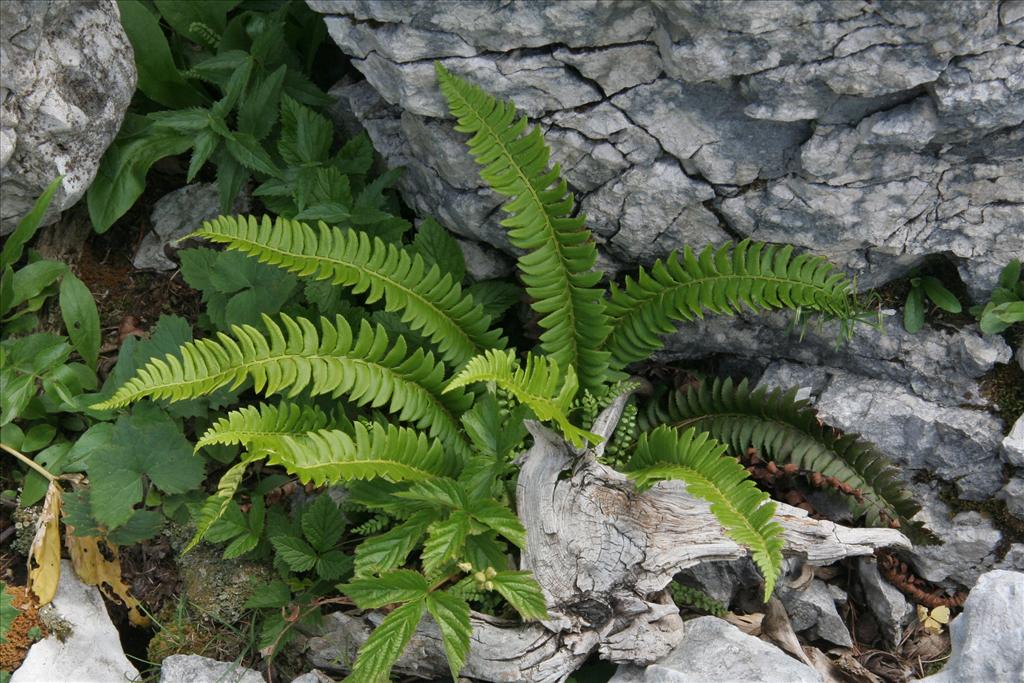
x=603, y=554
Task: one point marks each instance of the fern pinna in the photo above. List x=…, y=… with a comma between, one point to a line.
x=436, y=482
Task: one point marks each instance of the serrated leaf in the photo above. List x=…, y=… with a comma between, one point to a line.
x=333, y=565
x=521, y=591
x=202, y=149
x=451, y=614
x=295, y=552
x=81, y=318
x=273, y=594
x=322, y=523
x=385, y=644
x=247, y=151
x=940, y=296
x=496, y=296
x=445, y=541
x=305, y=135
x=356, y=156
x=142, y=525
x=501, y=519
x=436, y=245
x=401, y=585
x=253, y=112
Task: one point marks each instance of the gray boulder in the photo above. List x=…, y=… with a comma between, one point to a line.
x=196, y=669
x=874, y=133
x=67, y=79
x=988, y=637
x=812, y=611
x=714, y=650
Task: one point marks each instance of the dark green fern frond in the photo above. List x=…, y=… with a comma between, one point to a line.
x=369, y=368
x=785, y=430
x=557, y=268
x=428, y=300
x=539, y=385
x=721, y=281
x=248, y=425
x=696, y=459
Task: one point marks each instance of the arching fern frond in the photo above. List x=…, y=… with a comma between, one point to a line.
x=682, y=287
x=539, y=385
x=785, y=430
x=215, y=506
x=428, y=300
x=249, y=424
x=696, y=459
x=557, y=268
x=367, y=368
x=328, y=456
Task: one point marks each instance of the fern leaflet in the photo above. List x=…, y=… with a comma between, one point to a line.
x=722, y=280
x=248, y=425
x=557, y=268
x=745, y=512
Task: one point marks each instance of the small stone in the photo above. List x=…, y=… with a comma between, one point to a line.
x=484, y=263
x=196, y=669
x=1013, y=444
x=812, y=611
x=1013, y=495
x=886, y=602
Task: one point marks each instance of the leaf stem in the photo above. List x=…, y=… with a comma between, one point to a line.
x=28, y=461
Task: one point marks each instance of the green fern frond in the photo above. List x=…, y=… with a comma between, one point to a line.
x=539, y=385
x=428, y=300
x=785, y=430
x=557, y=268
x=328, y=456
x=721, y=281
x=370, y=369
x=248, y=425
x=696, y=459
x=215, y=506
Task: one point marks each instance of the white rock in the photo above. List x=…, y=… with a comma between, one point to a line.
x=1013, y=444
x=196, y=669
x=91, y=654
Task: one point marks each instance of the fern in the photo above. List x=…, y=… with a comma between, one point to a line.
x=722, y=280
x=248, y=425
x=786, y=430
x=744, y=511
x=557, y=268
x=368, y=368
x=215, y=506
x=430, y=301
x=539, y=385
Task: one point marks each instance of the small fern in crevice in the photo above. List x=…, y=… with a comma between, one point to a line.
x=433, y=499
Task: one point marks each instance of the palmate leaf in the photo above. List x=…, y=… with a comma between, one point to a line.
x=557, y=268
x=429, y=301
x=786, y=430
x=696, y=459
x=368, y=368
x=539, y=385
x=721, y=281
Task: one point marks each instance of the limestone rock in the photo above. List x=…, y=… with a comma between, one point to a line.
x=715, y=650
x=812, y=611
x=92, y=653
x=1013, y=444
x=988, y=637
x=886, y=602
x=1013, y=495
x=196, y=669
x=68, y=77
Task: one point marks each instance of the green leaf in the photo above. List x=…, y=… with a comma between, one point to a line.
x=997, y=318
x=940, y=296
x=521, y=591
x=322, y=523
x=1008, y=277
x=356, y=156
x=490, y=433
x=451, y=614
x=81, y=318
x=913, y=311
x=38, y=437
x=390, y=549
x=184, y=15
x=255, y=113
x=402, y=585
x=295, y=552
x=436, y=245
x=8, y=612
x=31, y=280
x=496, y=296
x=273, y=594
x=15, y=397
x=305, y=135
x=205, y=145
x=500, y=518
x=231, y=176
x=380, y=651
x=27, y=226
x=247, y=151
x=444, y=542
x=333, y=565
x=142, y=525
x=159, y=79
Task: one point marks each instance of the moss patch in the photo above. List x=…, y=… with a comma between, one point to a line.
x=1003, y=386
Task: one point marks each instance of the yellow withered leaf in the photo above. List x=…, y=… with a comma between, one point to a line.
x=44, y=555
x=98, y=563
x=934, y=620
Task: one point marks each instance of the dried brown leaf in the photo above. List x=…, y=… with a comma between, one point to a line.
x=44, y=555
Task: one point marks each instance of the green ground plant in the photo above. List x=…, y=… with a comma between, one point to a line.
x=922, y=288
x=408, y=393
x=1006, y=305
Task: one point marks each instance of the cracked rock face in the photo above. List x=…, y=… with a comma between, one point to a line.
x=872, y=132
x=67, y=79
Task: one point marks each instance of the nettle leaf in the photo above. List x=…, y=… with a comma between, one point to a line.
x=487, y=550
x=501, y=519
x=392, y=548
x=146, y=443
x=451, y=614
x=402, y=585
x=496, y=296
x=322, y=523
x=521, y=591
x=386, y=643
x=436, y=245
x=356, y=156
x=492, y=434
x=445, y=541
x=305, y=135
x=333, y=565
x=252, y=112
x=295, y=552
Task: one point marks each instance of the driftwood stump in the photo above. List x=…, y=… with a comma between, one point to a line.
x=603, y=554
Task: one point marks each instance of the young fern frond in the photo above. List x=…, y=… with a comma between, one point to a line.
x=428, y=300
x=539, y=385
x=721, y=281
x=785, y=430
x=557, y=268
x=368, y=368
x=215, y=506
x=247, y=425
x=696, y=459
